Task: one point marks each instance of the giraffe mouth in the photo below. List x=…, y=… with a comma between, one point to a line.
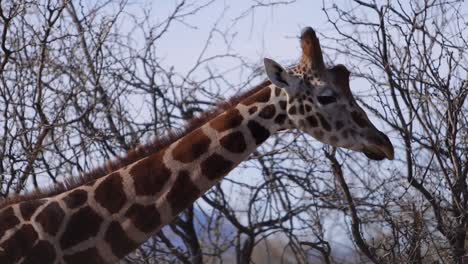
x=375, y=155
x=379, y=152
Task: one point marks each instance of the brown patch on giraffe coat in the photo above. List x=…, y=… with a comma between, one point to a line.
x=118, y=240
x=313, y=122
x=183, y=192
x=253, y=109
x=8, y=220
x=301, y=109
x=88, y=256
x=308, y=108
x=282, y=105
x=268, y=112
x=191, y=147
x=150, y=174
x=42, y=252
x=110, y=193
x=216, y=166
x=234, y=142
x=28, y=208
x=318, y=134
x=292, y=110
x=18, y=244
x=339, y=125
x=76, y=198
x=262, y=96
x=279, y=119
x=277, y=91
x=359, y=120
x=324, y=122
x=51, y=218
x=230, y=120
x=345, y=133
x=259, y=133
x=145, y=218
x=83, y=224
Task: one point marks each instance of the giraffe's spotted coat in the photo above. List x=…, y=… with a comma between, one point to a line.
x=279, y=119
x=28, y=208
x=8, y=220
x=76, y=198
x=42, y=252
x=182, y=185
x=268, y=112
x=253, y=109
x=21, y=241
x=216, y=166
x=110, y=193
x=118, y=240
x=282, y=105
x=234, y=142
x=191, y=147
x=150, y=174
x=324, y=122
x=292, y=110
x=144, y=217
x=360, y=121
x=231, y=119
x=312, y=121
x=339, y=124
x=259, y=133
x=50, y=218
x=82, y=225
x=89, y=256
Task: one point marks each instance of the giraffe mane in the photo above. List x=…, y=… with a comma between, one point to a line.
x=132, y=155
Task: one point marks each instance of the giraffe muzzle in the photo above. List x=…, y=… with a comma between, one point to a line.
x=379, y=146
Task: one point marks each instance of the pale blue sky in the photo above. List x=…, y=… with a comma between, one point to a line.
x=271, y=31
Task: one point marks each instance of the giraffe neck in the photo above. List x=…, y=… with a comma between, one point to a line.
x=108, y=218
x=209, y=153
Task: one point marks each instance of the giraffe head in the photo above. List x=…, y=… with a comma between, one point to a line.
x=320, y=102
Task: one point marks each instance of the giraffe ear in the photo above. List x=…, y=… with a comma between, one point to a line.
x=280, y=77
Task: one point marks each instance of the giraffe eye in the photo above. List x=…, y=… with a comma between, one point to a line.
x=326, y=99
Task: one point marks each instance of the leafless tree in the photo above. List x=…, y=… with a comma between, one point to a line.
x=82, y=82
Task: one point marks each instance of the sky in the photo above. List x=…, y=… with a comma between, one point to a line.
x=268, y=31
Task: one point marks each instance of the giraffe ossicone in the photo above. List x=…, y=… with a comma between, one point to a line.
x=109, y=214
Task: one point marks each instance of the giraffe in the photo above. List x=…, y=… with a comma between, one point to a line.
x=102, y=219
